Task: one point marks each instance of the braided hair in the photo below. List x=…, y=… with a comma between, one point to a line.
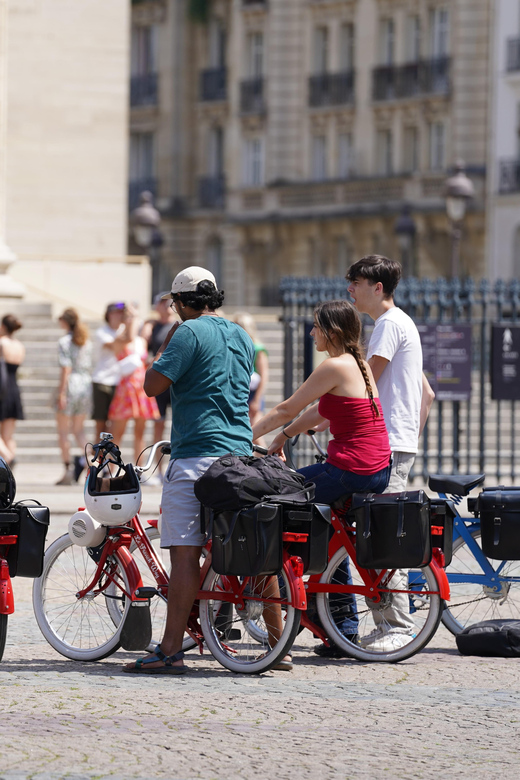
x=340, y=324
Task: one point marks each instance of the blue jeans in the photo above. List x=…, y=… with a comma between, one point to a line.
x=331, y=484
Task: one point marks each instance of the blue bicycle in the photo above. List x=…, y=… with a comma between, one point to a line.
x=481, y=588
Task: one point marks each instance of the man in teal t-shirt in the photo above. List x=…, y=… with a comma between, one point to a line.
x=207, y=363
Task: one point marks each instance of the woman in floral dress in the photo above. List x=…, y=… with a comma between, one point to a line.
x=130, y=402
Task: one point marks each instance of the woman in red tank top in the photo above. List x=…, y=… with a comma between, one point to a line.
x=358, y=455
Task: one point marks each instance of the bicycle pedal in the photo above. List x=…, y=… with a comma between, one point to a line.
x=146, y=592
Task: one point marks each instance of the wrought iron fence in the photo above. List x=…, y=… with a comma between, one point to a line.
x=391, y=82
x=462, y=436
x=331, y=89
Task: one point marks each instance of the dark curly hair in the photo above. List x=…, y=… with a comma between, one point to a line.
x=377, y=268
x=206, y=296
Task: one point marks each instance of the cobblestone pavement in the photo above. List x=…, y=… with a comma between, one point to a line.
x=436, y=715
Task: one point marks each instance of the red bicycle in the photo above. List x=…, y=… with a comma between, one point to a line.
x=6, y=588
x=83, y=600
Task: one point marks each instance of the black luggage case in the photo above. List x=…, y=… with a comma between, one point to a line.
x=392, y=529
x=499, y=511
x=30, y=524
x=313, y=520
x=248, y=542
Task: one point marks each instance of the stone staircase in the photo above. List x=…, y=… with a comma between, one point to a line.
x=39, y=375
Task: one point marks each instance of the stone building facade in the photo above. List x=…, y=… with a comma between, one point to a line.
x=289, y=136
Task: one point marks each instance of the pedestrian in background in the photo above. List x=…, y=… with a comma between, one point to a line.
x=130, y=402
x=154, y=333
x=74, y=400
x=260, y=376
x=106, y=373
x=12, y=352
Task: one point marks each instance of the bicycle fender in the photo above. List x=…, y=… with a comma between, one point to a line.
x=442, y=579
x=297, y=586
x=6, y=590
x=132, y=571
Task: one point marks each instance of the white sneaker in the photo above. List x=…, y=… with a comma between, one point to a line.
x=369, y=638
x=388, y=642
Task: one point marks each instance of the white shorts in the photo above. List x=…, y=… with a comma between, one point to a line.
x=180, y=524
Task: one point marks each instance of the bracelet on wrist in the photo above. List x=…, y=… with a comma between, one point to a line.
x=286, y=434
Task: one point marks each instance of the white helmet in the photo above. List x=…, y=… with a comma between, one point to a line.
x=113, y=500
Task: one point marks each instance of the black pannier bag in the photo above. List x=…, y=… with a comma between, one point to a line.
x=248, y=542
x=392, y=529
x=25, y=558
x=233, y=482
x=442, y=515
x=499, y=510
x=491, y=638
x=313, y=520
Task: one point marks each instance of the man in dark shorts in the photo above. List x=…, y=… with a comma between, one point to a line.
x=108, y=342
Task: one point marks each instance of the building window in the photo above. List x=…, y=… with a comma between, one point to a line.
x=214, y=256
x=343, y=256
x=253, y=170
x=437, y=146
x=439, y=33
x=384, y=153
x=255, y=55
x=319, y=158
x=321, y=49
x=216, y=152
x=345, y=155
x=346, y=49
x=142, y=162
x=413, y=38
x=411, y=149
x=387, y=41
x=217, y=44
x=144, y=50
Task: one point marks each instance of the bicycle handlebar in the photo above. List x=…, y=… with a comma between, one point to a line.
x=166, y=448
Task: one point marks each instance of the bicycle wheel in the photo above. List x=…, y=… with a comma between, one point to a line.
x=226, y=626
x=3, y=634
x=472, y=602
x=157, y=604
x=425, y=611
x=86, y=629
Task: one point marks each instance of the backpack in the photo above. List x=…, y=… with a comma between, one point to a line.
x=234, y=482
x=495, y=638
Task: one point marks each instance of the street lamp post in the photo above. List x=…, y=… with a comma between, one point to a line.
x=458, y=191
x=405, y=231
x=144, y=222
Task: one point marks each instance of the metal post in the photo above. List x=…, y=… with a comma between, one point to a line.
x=456, y=234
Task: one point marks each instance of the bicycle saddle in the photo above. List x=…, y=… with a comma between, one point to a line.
x=458, y=484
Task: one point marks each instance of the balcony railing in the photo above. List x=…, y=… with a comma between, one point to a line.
x=513, y=54
x=331, y=89
x=212, y=191
x=143, y=90
x=252, y=96
x=424, y=77
x=254, y=2
x=137, y=186
x=213, y=84
x=509, y=176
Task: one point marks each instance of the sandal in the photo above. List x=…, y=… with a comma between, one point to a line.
x=285, y=665
x=158, y=655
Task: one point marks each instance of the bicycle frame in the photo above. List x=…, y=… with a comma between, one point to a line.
x=234, y=591
x=6, y=588
x=343, y=536
x=463, y=528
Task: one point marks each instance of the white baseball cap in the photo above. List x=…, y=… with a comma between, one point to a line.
x=189, y=279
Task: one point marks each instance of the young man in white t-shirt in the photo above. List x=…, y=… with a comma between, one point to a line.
x=395, y=357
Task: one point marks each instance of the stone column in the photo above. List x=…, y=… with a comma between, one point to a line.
x=9, y=288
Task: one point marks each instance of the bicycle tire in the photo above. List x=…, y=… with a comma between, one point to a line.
x=3, y=634
x=426, y=611
x=244, y=654
x=471, y=602
x=157, y=604
x=83, y=630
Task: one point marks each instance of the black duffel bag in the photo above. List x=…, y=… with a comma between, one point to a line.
x=491, y=638
x=499, y=511
x=233, y=482
x=392, y=529
x=248, y=542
